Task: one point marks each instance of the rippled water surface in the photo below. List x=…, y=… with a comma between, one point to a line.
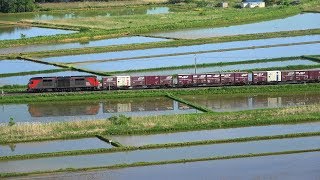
x=154, y=155
x=20, y=32
x=52, y=146
x=293, y=23
x=181, y=49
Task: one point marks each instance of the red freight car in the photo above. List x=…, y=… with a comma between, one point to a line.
x=152, y=81
x=241, y=78
x=199, y=79
x=314, y=76
x=287, y=76
x=301, y=75
x=213, y=78
x=109, y=83
x=259, y=77
x=166, y=81
x=185, y=80
x=227, y=78
x=137, y=81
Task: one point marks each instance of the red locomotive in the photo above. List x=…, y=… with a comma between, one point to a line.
x=63, y=83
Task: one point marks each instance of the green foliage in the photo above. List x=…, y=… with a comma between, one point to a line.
x=120, y=120
x=202, y=3
x=23, y=36
x=11, y=122
x=12, y=6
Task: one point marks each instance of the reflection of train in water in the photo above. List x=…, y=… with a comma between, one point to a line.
x=56, y=109
x=93, y=108
x=161, y=104
x=74, y=83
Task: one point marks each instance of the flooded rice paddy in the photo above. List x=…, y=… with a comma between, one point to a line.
x=90, y=110
x=20, y=32
x=225, y=68
x=94, y=43
x=15, y=66
x=306, y=21
x=214, y=57
x=23, y=80
x=217, y=134
x=285, y=167
x=46, y=16
x=154, y=155
x=52, y=146
x=240, y=102
x=181, y=49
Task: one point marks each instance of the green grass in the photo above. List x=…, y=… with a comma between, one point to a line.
x=139, y=164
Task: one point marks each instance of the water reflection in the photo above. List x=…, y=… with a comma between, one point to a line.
x=236, y=103
x=87, y=110
x=20, y=32
x=45, y=16
x=157, y=155
x=52, y=146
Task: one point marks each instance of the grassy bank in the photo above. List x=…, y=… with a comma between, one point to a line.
x=155, y=146
x=3, y=175
x=158, y=124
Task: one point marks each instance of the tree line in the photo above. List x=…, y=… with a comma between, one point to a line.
x=11, y=6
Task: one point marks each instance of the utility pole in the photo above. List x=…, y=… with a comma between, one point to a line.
x=195, y=63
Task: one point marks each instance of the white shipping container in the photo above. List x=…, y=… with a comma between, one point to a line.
x=123, y=81
x=273, y=76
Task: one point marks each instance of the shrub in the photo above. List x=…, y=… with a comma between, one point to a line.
x=11, y=122
x=120, y=120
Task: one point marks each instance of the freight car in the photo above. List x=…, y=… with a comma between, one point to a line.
x=73, y=83
x=64, y=83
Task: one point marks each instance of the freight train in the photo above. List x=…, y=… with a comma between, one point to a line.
x=77, y=83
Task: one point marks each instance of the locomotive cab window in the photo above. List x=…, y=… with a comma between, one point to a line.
x=47, y=82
